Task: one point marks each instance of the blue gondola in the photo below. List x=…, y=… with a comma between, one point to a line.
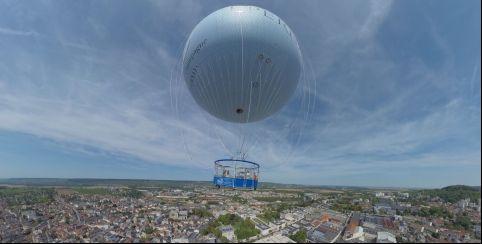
x=236, y=174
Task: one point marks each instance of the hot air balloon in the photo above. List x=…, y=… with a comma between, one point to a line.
x=241, y=64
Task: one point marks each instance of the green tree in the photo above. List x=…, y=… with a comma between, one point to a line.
x=299, y=237
x=242, y=228
x=270, y=215
x=149, y=230
x=203, y=213
x=240, y=200
x=463, y=222
x=245, y=229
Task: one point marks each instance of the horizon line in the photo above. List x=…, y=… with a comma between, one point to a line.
x=181, y=180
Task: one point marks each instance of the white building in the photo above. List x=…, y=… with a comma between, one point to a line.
x=275, y=239
x=217, y=213
x=463, y=203
x=173, y=214
x=287, y=216
x=180, y=240
x=227, y=231
x=386, y=237
x=358, y=234
x=178, y=215
x=182, y=215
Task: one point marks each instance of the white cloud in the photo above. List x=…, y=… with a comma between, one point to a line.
x=379, y=9
x=14, y=32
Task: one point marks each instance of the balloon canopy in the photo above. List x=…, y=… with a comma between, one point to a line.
x=242, y=64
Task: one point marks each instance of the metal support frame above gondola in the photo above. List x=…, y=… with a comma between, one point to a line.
x=248, y=181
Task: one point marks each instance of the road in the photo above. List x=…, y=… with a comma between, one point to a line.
x=280, y=230
x=342, y=232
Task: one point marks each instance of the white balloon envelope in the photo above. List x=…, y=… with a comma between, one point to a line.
x=242, y=64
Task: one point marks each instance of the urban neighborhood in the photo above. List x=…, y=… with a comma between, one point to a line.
x=194, y=212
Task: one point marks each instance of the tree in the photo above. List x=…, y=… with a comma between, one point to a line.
x=149, y=230
x=245, y=229
x=240, y=199
x=299, y=237
x=224, y=239
x=201, y=212
x=270, y=215
x=463, y=222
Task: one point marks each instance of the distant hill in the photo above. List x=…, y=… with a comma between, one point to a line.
x=140, y=183
x=455, y=193
x=270, y=185
x=461, y=188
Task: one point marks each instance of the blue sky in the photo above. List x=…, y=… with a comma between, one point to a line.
x=85, y=92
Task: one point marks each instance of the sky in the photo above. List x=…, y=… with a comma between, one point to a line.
x=393, y=91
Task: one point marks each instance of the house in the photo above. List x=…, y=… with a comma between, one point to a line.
x=277, y=238
x=174, y=214
x=182, y=215
x=227, y=231
x=386, y=237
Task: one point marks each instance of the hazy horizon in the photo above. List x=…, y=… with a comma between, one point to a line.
x=209, y=181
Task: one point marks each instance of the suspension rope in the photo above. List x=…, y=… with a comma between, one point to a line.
x=242, y=133
x=175, y=90
x=258, y=78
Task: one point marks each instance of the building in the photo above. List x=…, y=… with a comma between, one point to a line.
x=262, y=227
x=323, y=233
x=227, y=231
x=463, y=203
x=182, y=215
x=180, y=240
x=353, y=228
x=358, y=234
x=178, y=215
x=275, y=239
x=173, y=214
x=383, y=207
x=379, y=194
x=219, y=212
x=287, y=216
x=386, y=237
